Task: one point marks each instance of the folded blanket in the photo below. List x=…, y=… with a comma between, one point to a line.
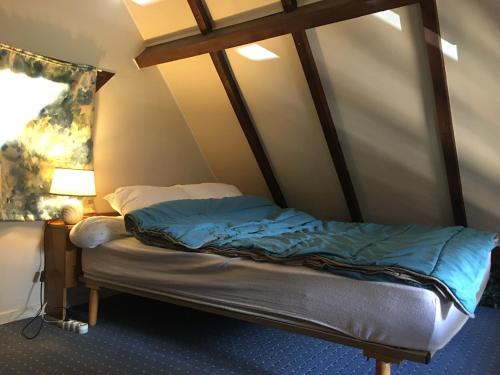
x=450, y=259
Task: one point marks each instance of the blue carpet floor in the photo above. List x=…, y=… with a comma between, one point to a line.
x=138, y=336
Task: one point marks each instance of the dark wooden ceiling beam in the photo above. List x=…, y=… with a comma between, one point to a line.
x=305, y=17
x=432, y=36
x=324, y=114
x=289, y=5
x=240, y=109
x=325, y=118
x=200, y=13
x=102, y=78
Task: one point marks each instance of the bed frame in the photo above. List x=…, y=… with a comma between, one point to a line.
x=383, y=354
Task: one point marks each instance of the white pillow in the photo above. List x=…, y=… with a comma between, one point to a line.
x=96, y=230
x=210, y=190
x=129, y=198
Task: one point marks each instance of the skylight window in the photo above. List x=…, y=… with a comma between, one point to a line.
x=146, y=2
x=449, y=49
x=256, y=52
x=392, y=18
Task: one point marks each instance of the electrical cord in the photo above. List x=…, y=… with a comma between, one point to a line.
x=40, y=313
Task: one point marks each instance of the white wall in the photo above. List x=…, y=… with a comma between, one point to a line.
x=21, y=250
x=280, y=103
x=206, y=107
x=474, y=84
x=378, y=85
x=140, y=134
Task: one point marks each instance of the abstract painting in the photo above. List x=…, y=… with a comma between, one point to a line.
x=46, y=120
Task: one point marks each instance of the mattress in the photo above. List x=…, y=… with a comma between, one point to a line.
x=386, y=313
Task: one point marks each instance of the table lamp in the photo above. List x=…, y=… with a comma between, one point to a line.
x=73, y=182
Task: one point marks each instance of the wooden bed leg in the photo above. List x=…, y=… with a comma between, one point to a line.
x=383, y=368
x=383, y=361
x=93, y=305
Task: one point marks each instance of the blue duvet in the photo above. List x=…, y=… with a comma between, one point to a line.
x=450, y=259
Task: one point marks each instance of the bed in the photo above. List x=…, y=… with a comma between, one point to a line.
x=389, y=321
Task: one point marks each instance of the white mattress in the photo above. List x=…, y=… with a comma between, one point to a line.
x=386, y=313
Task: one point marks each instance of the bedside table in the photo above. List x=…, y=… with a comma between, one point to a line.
x=62, y=267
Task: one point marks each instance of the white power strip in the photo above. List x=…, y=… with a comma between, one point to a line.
x=73, y=326
x=68, y=325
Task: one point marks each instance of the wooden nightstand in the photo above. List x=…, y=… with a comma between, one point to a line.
x=62, y=267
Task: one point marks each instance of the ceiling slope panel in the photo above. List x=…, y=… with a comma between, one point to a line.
x=201, y=97
x=280, y=103
x=158, y=18
x=378, y=85
x=474, y=81
x=377, y=78
x=227, y=12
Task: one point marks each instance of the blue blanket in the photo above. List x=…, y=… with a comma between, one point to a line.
x=450, y=259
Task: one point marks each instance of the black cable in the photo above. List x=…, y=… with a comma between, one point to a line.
x=37, y=315
x=40, y=315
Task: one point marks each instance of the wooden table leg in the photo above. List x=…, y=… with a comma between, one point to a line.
x=93, y=305
x=383, y=368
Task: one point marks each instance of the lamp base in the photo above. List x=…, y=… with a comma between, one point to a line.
x=72, y=212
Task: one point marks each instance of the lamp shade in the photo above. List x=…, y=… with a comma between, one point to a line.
x=78, y=182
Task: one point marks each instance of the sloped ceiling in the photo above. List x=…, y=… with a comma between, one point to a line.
x=380, y=94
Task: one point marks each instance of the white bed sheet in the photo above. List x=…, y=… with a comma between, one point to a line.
x=386, y=313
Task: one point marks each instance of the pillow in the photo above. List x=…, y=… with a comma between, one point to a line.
x=210, y=190
x=128, y=198
x=96, y=230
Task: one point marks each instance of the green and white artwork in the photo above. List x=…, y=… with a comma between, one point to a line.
x=46, y=119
